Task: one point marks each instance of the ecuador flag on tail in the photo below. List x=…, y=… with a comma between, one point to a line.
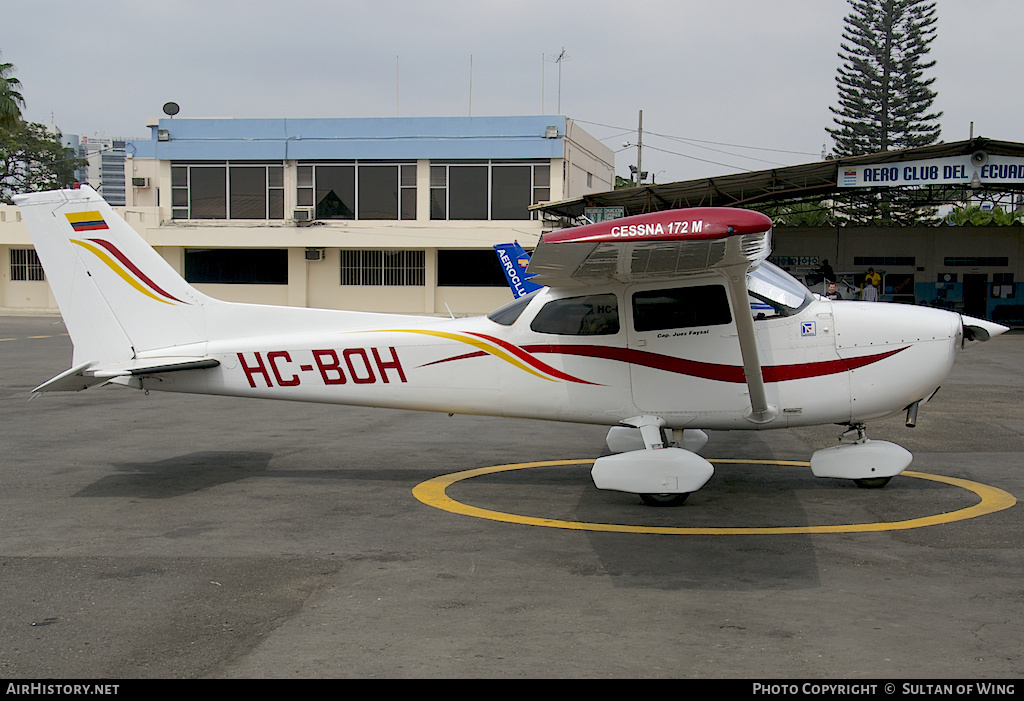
x=86, y=221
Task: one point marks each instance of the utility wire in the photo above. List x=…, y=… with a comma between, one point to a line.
x=727, y=153
x=626, y=130
x=695, y=158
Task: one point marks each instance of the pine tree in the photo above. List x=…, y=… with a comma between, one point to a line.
x=884, y=99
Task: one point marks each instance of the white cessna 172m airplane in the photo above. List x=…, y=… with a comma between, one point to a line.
x=658, y=325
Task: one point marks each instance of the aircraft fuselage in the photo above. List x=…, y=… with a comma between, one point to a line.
x=831, y=362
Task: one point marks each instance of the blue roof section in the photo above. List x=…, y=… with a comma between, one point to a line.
x=394, y=138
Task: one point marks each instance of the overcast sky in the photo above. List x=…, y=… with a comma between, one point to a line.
x=758, y=75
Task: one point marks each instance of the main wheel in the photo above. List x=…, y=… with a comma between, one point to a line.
x=664, y=499
x=872, y=482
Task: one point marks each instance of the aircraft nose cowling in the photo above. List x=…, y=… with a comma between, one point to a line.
x=897, y=354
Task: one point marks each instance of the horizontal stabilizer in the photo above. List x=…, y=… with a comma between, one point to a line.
x=89, y=374
x=73, y=380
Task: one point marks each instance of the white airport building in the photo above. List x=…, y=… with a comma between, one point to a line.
x=382, y=214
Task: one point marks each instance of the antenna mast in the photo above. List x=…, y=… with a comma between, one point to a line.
x=561, y=57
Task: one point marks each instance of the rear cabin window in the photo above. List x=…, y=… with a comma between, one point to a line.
x=681, y=308
x=593, y=315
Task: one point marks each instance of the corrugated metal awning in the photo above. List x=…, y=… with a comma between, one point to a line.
x=810, y=181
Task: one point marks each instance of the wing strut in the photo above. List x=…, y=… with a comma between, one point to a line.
x=736, y=279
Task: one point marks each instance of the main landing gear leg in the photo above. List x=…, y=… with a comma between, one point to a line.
x=870, y=464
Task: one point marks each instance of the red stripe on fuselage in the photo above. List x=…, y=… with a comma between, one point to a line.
x=475, y=354
x=530, y=360
x=713, y=371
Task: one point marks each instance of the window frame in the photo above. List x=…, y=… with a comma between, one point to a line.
x=183, y=198
x=539, y=188
x=29, y=269
x=306, y=188
x=382, y=267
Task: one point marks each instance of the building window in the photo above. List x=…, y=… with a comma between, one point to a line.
x=382, y=267
x=487, y=190
x=883, y=261
x=25, y=265
x=976, y=261
x=237, y=266
x=472, y=268
x=1003, y=286
x=358, y=190
x=227, y=191
x=407, y=184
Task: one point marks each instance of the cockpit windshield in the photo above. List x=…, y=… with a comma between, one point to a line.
x=775, y=292
x=507, y=315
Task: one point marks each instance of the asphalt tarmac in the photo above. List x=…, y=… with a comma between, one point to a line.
x=160, y=535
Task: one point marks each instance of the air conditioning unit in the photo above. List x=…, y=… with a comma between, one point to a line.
x=140, y=182
x=314, y=254
x=302, y=214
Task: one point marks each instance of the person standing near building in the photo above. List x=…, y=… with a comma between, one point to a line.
x=827, y=274
x=872, y=285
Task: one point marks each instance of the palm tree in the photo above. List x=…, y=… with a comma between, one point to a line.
x=11, y=100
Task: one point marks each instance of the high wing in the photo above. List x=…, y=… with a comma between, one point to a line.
x=656, y=246
x=663, y=246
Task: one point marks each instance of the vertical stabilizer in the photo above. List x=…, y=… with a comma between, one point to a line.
x=117, y=295
x=514, y=261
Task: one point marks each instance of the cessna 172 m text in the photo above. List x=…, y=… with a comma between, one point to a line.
x=658, y=325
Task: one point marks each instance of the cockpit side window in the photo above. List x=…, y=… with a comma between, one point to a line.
x=592, y=315
x=681, y=308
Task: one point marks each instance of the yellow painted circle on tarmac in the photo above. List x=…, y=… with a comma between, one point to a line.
x=433, y=493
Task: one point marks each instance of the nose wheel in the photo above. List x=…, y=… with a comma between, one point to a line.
x=870, y=464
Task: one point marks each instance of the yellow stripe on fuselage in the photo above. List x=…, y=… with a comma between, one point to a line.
x=482, y=345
